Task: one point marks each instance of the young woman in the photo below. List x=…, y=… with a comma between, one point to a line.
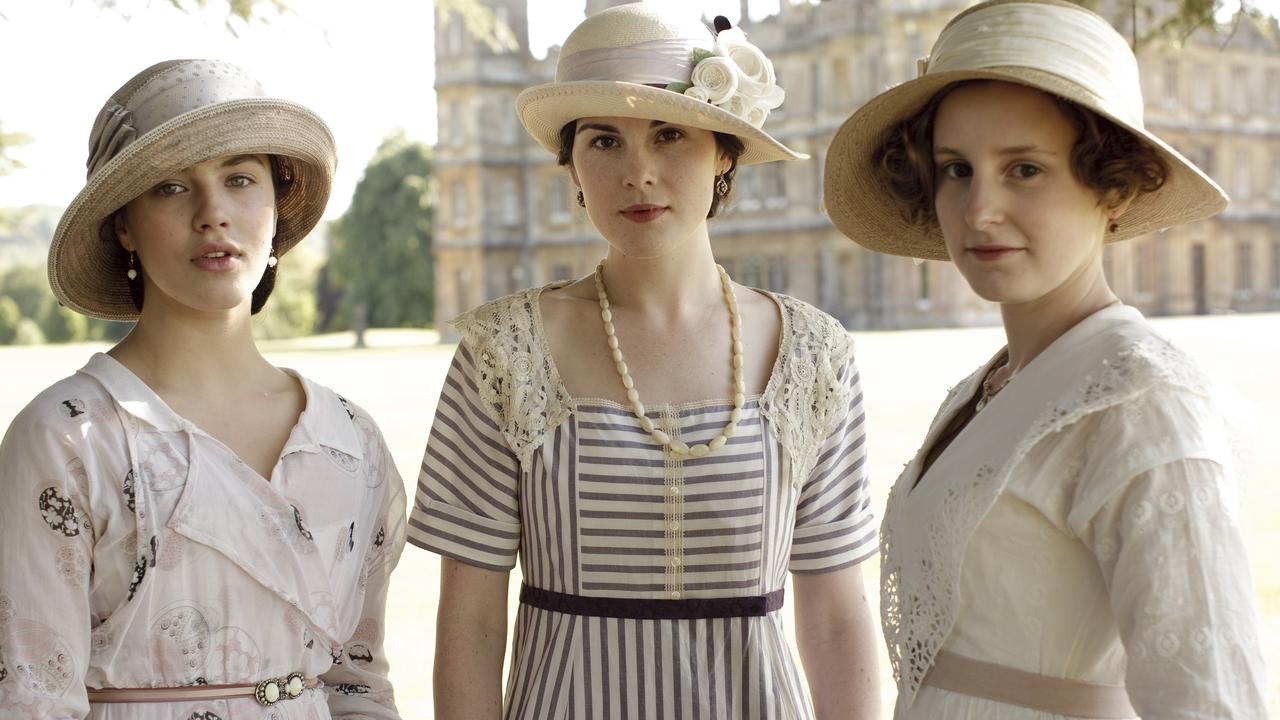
x=658, y=444
x=188, y=531
x=1064, y=543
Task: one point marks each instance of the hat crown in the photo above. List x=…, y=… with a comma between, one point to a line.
x=161, y=93
x=660, y=45
x=1063, y=39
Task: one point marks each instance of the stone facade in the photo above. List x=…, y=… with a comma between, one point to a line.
x=507, y=216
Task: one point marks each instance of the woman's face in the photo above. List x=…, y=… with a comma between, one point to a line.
x=203, y=234
x=1017, y=223
x=647, y=184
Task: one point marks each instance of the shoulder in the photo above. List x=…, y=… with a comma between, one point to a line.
x=808, y=331
x=512, y=316
x=72, y=408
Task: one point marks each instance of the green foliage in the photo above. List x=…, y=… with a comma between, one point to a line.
x=291, y=309
x=1146, y=21
x=28, y=285
x=381, y=247
x=8, y=141
x=10, y=316
x=60, y=325
x=28, y=333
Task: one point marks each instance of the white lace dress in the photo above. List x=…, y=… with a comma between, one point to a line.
x=1091, y=507
x=594, y=508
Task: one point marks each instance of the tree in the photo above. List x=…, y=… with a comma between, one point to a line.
x=10, y=316
x=60, y=324
x=1178, y=21
x=291, y=309
x=380, y=256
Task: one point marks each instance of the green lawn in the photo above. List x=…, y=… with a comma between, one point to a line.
x=905, y=376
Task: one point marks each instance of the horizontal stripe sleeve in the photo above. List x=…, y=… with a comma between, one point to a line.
x=467, y=504
x=835, y=522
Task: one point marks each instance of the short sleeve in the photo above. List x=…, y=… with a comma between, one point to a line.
x=467, y=504
x=1170, y=548
x=835, y=523
x=46, y=567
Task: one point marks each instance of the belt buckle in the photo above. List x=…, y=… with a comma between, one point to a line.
x=273, y=690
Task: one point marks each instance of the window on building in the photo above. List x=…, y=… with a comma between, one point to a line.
x=841, y=82
x=1239, y=89
x=1144, y=269
x=774, y=185
x=458, y=196
x=561, y=272
x=924, y=291
x=558, y=199
x=457, y=123
x=1273, y=157
x=779, y=278
x=1243, y=175
x=1170, y=78
x=515, y=278
x=746, y=186
x=510, y=198
x=750, y=271
x=1202, y=93
x=1273, y=90
x=454, y=36
x=1275, y=267
x=1244, y=267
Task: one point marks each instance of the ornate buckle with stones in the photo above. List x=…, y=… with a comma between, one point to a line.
x=269, y=692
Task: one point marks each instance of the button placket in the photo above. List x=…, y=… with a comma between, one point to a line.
x=673, y=510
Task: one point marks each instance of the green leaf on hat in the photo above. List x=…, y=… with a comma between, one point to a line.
x=678, y=87
x=699, y=55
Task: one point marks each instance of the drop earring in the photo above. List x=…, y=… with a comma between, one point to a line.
x=132, y=273
x=582, y=201
x=722, y=186
x=272, y=260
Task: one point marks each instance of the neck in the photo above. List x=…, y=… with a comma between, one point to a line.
x=193, y=353
x=674, y=287
x=1031, y=327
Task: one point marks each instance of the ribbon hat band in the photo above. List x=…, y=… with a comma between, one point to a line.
x=655, y=62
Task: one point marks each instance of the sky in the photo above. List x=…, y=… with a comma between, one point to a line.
x=366, y=66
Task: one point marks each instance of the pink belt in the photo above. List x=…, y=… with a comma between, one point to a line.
x=267, y=692
x=1056, y=696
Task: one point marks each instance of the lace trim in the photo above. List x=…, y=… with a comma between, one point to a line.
x=523, y=394
x=807, y=397
x=918, y=613
x=519, y=386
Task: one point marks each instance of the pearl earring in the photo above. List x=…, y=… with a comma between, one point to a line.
x=272, y=260
x=132, y=274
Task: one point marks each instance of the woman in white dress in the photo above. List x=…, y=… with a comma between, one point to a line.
x=658, y=445
x=1064, y=543
x=188, y=531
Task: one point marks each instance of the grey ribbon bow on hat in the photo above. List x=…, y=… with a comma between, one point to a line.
x=112, y=132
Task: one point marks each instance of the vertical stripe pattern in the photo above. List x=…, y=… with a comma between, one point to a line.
x=599, y=510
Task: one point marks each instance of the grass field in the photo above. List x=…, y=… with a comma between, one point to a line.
x=905, y=376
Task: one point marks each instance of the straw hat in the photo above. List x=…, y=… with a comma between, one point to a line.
x=1050, y=45
x=171, y=116
x=633, y=61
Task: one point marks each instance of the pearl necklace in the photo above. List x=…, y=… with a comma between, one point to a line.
x=633, y=396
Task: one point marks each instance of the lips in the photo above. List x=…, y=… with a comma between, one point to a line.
x=992, y=253
x=644, y=213
x=215, y=257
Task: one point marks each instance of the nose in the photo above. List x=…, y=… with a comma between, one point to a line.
x=640, y=168
x=211, y=209
x=985, y=206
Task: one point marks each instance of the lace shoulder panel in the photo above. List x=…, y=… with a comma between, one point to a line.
x=518, y=384
x=807, y=395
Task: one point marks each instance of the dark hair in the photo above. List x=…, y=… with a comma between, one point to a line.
x=281, y=180
x=1106, y=158
x=731, y=145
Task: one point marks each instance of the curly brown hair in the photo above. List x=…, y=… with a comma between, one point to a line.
x=1106, y=158
x=726, y=143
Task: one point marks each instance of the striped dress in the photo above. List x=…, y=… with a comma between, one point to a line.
x=515, y=467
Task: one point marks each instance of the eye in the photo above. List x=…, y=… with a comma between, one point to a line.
x=239, y=181
x=167, y=189
x=670, y=134
x=604, y=142
x=955, y=170
x=1025, y=170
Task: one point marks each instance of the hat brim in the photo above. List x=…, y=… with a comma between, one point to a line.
x=87, y=273
x=869, y=214
x=545, y=109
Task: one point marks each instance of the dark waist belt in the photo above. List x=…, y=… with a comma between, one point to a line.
x=644, y=609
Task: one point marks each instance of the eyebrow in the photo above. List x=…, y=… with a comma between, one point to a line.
x=237, y=159
x=1011, y=150
x=611, y=129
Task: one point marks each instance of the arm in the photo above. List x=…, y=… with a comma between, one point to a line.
x=1178, y=578
x=471, y=637
x=358, y=686
x=44, y=571
x=837, y=641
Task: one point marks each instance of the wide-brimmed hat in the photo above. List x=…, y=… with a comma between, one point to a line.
x=634, y=61
x=169, y=117
x=1050, y=45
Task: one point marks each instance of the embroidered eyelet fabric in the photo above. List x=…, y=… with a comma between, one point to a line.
x=516, y=468
x=1106, y=549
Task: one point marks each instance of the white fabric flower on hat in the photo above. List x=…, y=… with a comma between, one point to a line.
x=736, y=77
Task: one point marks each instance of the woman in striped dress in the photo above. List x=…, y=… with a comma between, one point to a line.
x=658, y=445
